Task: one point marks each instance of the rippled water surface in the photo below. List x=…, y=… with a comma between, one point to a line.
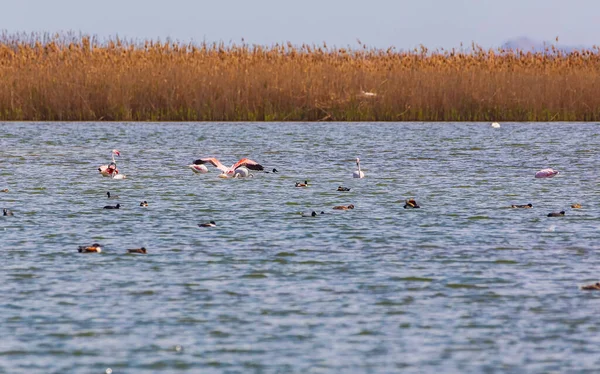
x=463, y=284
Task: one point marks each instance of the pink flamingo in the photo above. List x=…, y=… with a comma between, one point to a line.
x=546, y=173
x=110, y=170
x=231, y=172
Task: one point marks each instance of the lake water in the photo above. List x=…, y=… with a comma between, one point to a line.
x=462, y=285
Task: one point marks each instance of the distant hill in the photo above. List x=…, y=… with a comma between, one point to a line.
x=529, y=45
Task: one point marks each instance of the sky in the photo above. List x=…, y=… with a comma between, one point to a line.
x=376, y=23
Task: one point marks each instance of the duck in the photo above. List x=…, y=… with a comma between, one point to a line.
x=112, y=207
x=7, y=212
x=305, y=184
x=411, y=203
x=557, y=214
x=340, y=188
x=109, y=196
x=343, y=207
x=138, y=250
x=274, y=171
x=522, y=206
x=311, y=214
x=591, y=287
x=94, y=248
x=144, y=203
x=207, y=224
x=358, y=173
x=4, y=190
x=576, y=206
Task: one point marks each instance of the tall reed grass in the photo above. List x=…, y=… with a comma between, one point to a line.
x=77, y=78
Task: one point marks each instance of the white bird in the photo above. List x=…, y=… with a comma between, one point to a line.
x=358, y=173
x=202, y=169
x=231, y=172
x=496, y=125
x=242, y=172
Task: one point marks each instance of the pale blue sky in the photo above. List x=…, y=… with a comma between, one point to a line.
x=378, y=23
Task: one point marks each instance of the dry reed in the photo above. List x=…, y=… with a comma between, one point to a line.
x=77, y=78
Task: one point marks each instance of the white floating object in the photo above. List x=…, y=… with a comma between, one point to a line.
x=496, y=125
x=546, y=173
x=119, y=176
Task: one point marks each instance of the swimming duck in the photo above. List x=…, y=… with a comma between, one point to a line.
x=522, y=206
x=340, y=188
x=4, y=190
x=274, y=171
x=111, y=196
x=7, y=212
x=137, y=250
x=576, y=206
x=112, y=207
x=305, y=184
x=411, y=203
x=311, y=214
x=207, y=224
x=555, y=214
x=343, y=207
x=591, y=287
x=144, y=203
x=94, y=248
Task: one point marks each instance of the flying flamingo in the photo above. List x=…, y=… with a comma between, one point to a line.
x=235, y=170
x=546, y=173
x=110, y=170
x=358, y=173
x=198, y=168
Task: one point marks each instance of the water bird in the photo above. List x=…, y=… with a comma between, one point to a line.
x=4, y=190
x=94, y=248
x=591, y=287
x=547, y=173
x=207, y=224
x=274, y=171
x=557, y=214
x=138, y=250
x=109, y=196
x=495, y=125
x=112, y=207
x=229, y=172
x=110, y=169
x=201, y=169
x=311, y=214
x=340, y=188
x=411, y=204
x=305, y=184
x=144, y=204
x=358, y=173
x=576, y=206
x=343, y=207
x=6, y=212
x=522, y=206
x=242, y=172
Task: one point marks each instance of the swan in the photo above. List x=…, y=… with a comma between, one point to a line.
x=358, y=173
x=496, y=125
x=546, y=173
x=230, y=172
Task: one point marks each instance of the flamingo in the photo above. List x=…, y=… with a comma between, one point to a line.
x=358, y=173
x=233, y=170
x=546, y=173
x=202, y=169
x=110, y=169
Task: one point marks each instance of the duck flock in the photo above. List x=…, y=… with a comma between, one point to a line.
x=242, y=169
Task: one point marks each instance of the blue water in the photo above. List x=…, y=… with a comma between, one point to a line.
x=463, y=285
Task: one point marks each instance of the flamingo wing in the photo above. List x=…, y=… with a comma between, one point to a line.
x=213, y=161
x=250, y=164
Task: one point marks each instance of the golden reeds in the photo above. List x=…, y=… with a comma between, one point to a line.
x=77, y=78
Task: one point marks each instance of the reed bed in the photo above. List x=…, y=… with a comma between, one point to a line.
x=78, y=78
